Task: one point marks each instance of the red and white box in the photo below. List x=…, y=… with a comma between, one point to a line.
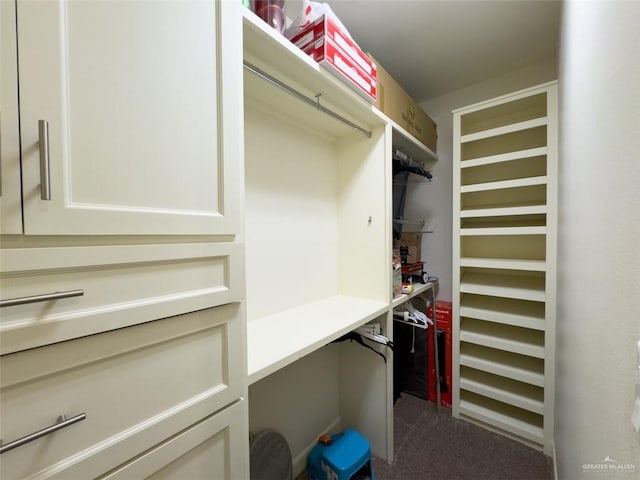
x=325, y=26
x=444, y=326
x=326, y=52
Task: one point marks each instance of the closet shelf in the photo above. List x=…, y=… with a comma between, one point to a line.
x=277, y=340
x=506, y=344
x=508, y=286
x=403, y=140
x=401, y=221
x=418, y=289
x=315, y=103
x=520, y=182
x=504, y=211
x=503, y=263
x=505, y=364
x=518, y=394
x=494, y=132
x=479, y=231
x=425, y=226
x=510, y=341
x=504, y=157
x=504, y=421
x=274, y=54
x=504, y=311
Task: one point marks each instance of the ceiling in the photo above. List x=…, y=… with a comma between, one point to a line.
x=435, y=47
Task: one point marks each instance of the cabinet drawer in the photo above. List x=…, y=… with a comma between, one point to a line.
x=136, y=386
x=211, y=449
x=121, y=285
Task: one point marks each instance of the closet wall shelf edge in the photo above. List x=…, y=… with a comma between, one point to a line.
x=523, y=372
x=505, y=422
x=277, y=340
x=512, y=345
x=520, y=182
x=504, y=157
x=513, y=393
x=494, y=132
x=418, y=289
x=503, y=231
x=503, y=263
x=504, y=211
x=272, y=53
x=506, y=318
x=409, y=144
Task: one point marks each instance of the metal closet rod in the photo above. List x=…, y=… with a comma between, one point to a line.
x=314, y=103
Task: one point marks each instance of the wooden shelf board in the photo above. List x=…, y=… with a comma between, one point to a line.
x=410, y=145
x=275, y=341
x=509, y=286
x=514, y=339
x=502, y=421
x=418, y=289
x=494, y=313
x=523, y=369
x=504, y=263
x=506, y=344
x=504, y=157
x=515, y=183
x=519, y=395
x=494, y=132
x=273, y=53
x=479, y=231
x=503, y=211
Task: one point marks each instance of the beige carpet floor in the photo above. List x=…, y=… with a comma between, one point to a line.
x=439, y=447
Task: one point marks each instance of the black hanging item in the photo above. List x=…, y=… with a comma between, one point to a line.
x=403, y=163
x=356, y=337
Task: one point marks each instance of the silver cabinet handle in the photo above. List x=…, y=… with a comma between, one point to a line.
x=11, y=302
x=62, y=422
x=45, y=179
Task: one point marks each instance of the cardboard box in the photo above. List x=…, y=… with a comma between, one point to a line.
x=445, y=344
x=327, y=53
x=396, y=104
x=409, y=245
x=326, y=26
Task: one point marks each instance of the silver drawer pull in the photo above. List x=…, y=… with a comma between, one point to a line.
x=11, y=302
x=45, y=178
x=62, y=422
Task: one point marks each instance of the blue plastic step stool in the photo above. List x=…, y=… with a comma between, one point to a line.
x=347, y=456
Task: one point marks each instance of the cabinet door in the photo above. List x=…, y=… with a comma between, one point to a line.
x=213, y=448
x=136, y=386
x=10, y=208
x=142, y=102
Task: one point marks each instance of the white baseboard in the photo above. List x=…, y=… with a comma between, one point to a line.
x=300, y=460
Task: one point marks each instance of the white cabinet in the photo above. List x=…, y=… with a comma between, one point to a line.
x=122, y=292
x=317, y=218
x=318, y=248
x=135, y=386
x=111, y=286
x=211, y=449
x=505, y=202
x=121, y=116
x=130, y=120
x=10, y=199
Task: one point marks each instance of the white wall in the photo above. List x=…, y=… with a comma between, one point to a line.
x=598, y=318
x=428, y=200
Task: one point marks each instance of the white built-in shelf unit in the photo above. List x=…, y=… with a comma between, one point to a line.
x=505, y=200
x=318, y=238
